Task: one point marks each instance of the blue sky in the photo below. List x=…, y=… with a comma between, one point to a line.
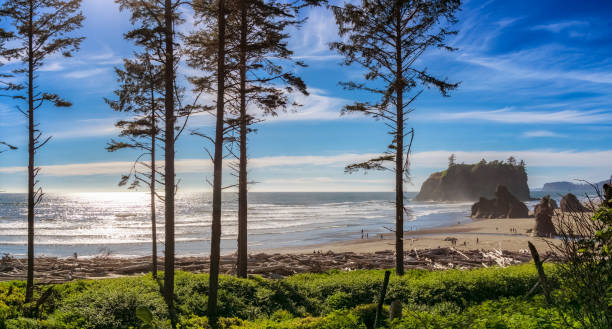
x=536, y=83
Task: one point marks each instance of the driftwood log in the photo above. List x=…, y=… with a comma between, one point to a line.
x=54, y=270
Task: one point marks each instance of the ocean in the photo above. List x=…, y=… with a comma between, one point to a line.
x=118, y=223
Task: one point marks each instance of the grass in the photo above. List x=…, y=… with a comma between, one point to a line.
x=481, y=298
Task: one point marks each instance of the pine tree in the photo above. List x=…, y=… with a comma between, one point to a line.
x=249, y=34
x=141, y=93
x=451, y=160
x=156, y=20
x=41, y=29
x=386, y=37
x=264, y=83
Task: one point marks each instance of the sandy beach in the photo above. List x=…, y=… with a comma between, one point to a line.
x=479, y=243
x=486, y=234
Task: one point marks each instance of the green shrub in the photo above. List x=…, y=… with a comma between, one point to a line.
x=111, y=304
x=332, y=299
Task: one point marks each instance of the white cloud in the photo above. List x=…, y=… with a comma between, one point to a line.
x=87, y=128
x=322, y=183
x=427, y=159
x=542, y=133
x=508, y=115
x=81, y=74
x=316, y=106
x=311, y=42
x=55, y=66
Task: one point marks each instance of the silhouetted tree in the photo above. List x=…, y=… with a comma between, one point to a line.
x=451, y=160
x=141, y=93
x=386, y=37
x=257, y=62
x=512, y=160
x=250, y=38
x=207, y=53
x=155, y=31
x=41, y=28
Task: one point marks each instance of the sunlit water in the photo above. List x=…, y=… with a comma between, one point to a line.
x=119, y=223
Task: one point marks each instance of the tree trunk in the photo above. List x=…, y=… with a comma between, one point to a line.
x=215, y=239
x=31, y=151
x=242, y=175
x=152, y=186
x=399, y=157
x=169, y=160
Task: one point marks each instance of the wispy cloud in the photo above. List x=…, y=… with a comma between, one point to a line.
x=54, y=66
x=505, y=22
x=521, y=65
x=428, y=159
x=541, y=133
x=508, y=115
x=560, y=26
x=311, y=42
x=317, y=106
x=87, y=128
x=82, y=74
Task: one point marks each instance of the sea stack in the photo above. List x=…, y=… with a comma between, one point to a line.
x=504, y=205
x=570, y=203
x=544, y=212
x=469, y=182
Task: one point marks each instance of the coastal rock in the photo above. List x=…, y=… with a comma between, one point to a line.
x=607, y=188
x=504, y=205
x=569, y=203
x=544, y=211
x=468, y=182
x=552, y=203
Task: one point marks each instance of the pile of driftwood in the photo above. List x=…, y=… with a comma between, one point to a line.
x=53, y=270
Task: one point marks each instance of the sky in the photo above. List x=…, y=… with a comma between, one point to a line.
x=536, y=84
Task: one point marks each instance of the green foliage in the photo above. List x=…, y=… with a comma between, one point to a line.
x=586, y=273
x=109, y=303
x=335, y=299
x=419, y=286
x=502, y=313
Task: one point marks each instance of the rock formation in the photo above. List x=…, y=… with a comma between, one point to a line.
x=607, y=189
x=552, y=203
x=544, y=212
x=468, y=182
x=504, y=205
x=569, y=203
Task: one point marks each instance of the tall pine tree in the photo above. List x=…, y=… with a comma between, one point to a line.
x=261, y=78
x=141, y=94
x=41, y=29
x=386, y=37
x=155, y=31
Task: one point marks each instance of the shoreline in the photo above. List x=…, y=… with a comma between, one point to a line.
x=480, y=243
x=509, y=234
